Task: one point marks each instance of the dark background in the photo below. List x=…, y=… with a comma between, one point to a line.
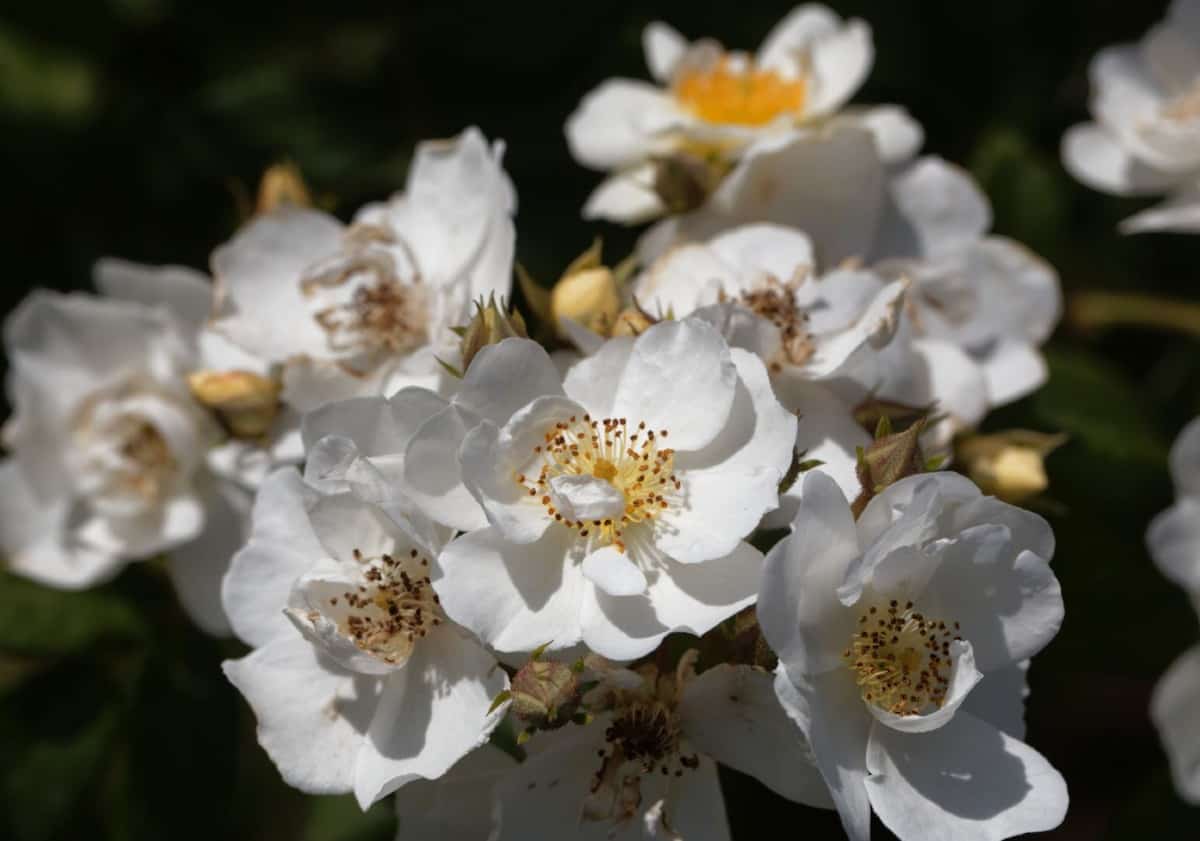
x=127, y=128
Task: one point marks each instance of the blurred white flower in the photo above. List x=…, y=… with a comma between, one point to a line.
x=368, y=308
x=368, y=686
x=707, y=105
x=979, y=305
x=1146, y=136
x=646, y=767
x=1174, y=543
x=903, y=640
x=108, y=446
x=615, y=500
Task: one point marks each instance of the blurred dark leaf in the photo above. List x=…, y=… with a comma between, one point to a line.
x=37, y=620
x=341, y=819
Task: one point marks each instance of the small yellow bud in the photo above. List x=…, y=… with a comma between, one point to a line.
x=590, y=296
x=246, y=403
x=1011, y=464
x=282, y=184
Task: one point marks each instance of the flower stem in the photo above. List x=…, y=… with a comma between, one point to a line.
x=1091, y=311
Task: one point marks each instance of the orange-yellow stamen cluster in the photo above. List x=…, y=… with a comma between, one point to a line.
x=635, y=462
x=901, y=659
x=393, y=609
x=722, y=93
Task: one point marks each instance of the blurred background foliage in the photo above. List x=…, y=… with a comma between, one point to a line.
x=135, y=128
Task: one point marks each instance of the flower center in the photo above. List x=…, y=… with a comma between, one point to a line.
x=901, y=659
x=599, y=478
x=1184, y=107
x=723, y=93
x=394, y=608
x=148, y=458
x=646, y=732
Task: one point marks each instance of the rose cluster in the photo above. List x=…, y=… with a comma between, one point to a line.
x=541, y=589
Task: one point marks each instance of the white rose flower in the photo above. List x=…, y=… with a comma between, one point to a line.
x=979, y=305
x=710, y=103
x=615, y=501
x=108, y=447
x=1174, y=543
x=368, y=686
x=646, y=767
x=1146, y=136
x=368, y=308
x=903, y=640
x=458, y=805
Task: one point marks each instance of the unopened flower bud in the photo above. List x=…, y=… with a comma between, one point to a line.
x=684, y=180
x=633, y=321
x=1011, y=464
x=545, y=694
x=590, y=296
x=282, y=184
x=892, y=456
x=244, y=402
x=493, y=323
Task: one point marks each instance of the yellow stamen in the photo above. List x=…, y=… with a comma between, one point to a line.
x=751, y=97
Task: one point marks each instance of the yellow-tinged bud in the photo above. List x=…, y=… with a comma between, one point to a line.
x=590, y=297
x=246, y=403
x=1010, y=464
x=282, y=184
x=492, y=324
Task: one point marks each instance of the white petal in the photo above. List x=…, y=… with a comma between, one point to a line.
x=898, y=136
x=186, y=293
x=458, y=805
x=282, y=546
x=258, y=275
x=614, y=573
x=999, y=699
x=593, y=380
x=731, y=714
x=432, y=476
x=730, y=484
x=312, y=717
x=515, y=597
x=1013, y=370
x=829, y=711
x=827, y=183
x=35, y=539
x=937, y=208
x=1098, y=159
x=1174, y=542
x=1185, y=460
x=680, y=378
x=1175, y=709
x=679, y=597
x=627, y=197
x=506, y=376
x=795, y=34
x=430, y=715
x=615, y=124
x=197, y=568
x=964, y=782
x=1179, y=214
x=765, y=249
x=663, y=47
x=377, y=426
x=798, y=608
x=683, y=280
x=841, y=62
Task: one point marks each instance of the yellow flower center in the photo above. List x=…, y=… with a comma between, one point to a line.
x=634, y=470
x=394, y=608
x=901, y=659
x=724, y=94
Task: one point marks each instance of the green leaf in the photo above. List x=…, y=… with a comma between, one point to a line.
x=38, y=620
